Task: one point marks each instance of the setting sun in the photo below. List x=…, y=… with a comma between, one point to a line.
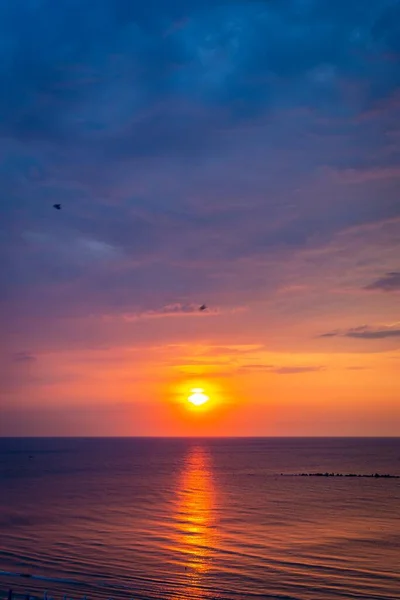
x=198, y=397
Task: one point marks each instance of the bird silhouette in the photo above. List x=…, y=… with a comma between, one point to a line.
x=203, y=307
x=57, y=206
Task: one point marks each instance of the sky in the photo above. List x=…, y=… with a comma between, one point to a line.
x=245, y=155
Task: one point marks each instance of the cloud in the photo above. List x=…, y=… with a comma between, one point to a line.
x=171, y=310
x=378, y=334
x=294, y=370
x=329, y=334
x=364, y=332
x=280, y=370
x=23, y=357
x=388, y=283
x=234, y=350
x=110, y=62
x=365, y=175
x=255, y=368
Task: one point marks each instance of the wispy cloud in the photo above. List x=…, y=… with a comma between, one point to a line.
x=366, y=175
x=24, y=357
x=388, y=283
x=295, y=369
x=364, y=332
x=371, y=334
x=281, y=370
x=174, y=310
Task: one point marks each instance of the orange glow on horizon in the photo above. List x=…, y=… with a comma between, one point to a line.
x=251, y=391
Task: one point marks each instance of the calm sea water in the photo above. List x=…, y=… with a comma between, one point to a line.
x=199, y=519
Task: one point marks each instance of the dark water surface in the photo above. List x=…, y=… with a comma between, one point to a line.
x=200, y=519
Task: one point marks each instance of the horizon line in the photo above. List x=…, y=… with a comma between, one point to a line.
x=188, y=437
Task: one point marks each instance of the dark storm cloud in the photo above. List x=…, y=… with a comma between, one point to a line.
x=388, y=283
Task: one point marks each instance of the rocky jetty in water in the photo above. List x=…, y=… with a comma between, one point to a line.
x=372, y=475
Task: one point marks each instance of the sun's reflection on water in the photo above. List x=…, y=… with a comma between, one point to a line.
x=195, y=521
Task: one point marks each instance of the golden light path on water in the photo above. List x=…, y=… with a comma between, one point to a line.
x=195, y=518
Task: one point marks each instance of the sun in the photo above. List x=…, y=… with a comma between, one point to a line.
x=198, y=397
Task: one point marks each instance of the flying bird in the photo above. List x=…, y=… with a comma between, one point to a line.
x=203, y=307
x=57, y=206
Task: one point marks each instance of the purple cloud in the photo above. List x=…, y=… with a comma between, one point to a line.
x=23, y=357
x=377, y=334
x=364, y=332
x=388, y=283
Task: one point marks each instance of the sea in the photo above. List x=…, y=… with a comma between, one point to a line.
x=201, y=519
